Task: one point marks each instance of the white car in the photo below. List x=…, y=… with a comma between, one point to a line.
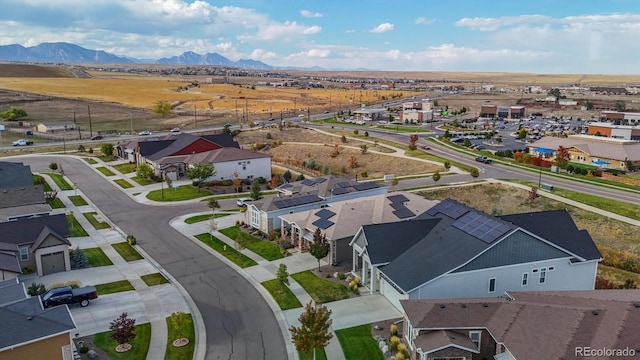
x=301, y=115
x=144, y=133
x=242, y=202
x=175, y=130
x=22, y=142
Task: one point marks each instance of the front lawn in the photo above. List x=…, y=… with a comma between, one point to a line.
x=128, y=252
x=114, y=287
x=105, y=171
x=282, y=295
x=37, y=180
x=98, y=225
x=75, y=229
x=90, y=161
x=154, y=279
x=203, y=217
x=227, y=251
x=139, y=345
x=184, y=192
x=322, y=291
x=60, y=181
x=183, y=352
x=78, y=200
x=125, y=168
x=266, y=249
x=142, y=181
x=55, y=203
x=123, y=183
x=358, y=343
x=97, y=257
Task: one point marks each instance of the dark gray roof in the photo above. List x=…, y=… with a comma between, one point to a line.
x=9, y=262
x=29, y=321
x=224, y=140
x=328, y=186
x=24, y=195
x=150, y=147
x=557, y=227
x=157, y=149
x=388, y=241
x=11, y=291
x=27, y=231
x=14, y=175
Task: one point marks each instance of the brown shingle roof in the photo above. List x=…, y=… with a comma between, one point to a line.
x=436, y=340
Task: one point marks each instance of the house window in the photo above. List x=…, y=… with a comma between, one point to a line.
x=475, y=337
x=534, y=270
x=543, y=275
x=24, y=254
x=255, y=218
x=551, y=268
x=492, y=285
x=525, y=279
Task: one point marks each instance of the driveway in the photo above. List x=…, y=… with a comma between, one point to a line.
x=239, y=323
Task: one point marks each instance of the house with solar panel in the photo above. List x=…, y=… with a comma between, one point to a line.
x=454, y=251
x=339, y=221
x=309, y=194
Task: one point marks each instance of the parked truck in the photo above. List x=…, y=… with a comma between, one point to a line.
x=67, y=295
x=483, y=159
x=22, y=142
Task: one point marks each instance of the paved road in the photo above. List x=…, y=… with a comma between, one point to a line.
x=239, y=323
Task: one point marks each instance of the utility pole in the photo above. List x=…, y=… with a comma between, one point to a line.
x=195, y=117
x=90, y=128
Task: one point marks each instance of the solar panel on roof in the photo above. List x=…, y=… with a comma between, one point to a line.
x=339, y=191
x=403, y=213
x=285, y=186
x=397, y=205
x=320, y=180
x=344, y=184
x=325, y=214
x=279, y=204
x=397, y=198
x=481, y=226
x=322, y=223
x=449, y=208
x=365, y=186
x=307, y=182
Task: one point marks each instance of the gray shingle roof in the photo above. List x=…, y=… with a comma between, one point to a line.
x=157, y=149
x=223, y=155
x=327, y=186
x=27, y=231
x=9, y=262
x=11, y=291
x=14, y=175
x=24, y=195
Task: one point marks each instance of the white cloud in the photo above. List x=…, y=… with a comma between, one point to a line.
x=382, y=28
x=350, y=31
x=280, y=31
x=424, y=21
x=309, y=14
x=260, y=54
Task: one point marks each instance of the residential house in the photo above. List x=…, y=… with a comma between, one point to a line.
x=28, y=331
x=23, y=202
x=38, y=243
x=306, y=195
x=454, y=251
x=55, y=127
x=339, y=221
x=525, y=326
x=15, y=175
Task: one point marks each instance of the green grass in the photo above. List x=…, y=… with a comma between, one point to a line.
x=125, y=168
x=282, y=295
x=203, y=217
x=230, y=253
x=322, y=291
x=90, y=161
x=154, y=279
x=266, y=249
x=358, y=343
x=75, y=229
x=123, y=183
x=139, y=345
x=60, y=181
x=98, y=225
x=78, y=200
x=114, y=287
x=37, y=179
x=404, y=129
x=128, y=252
x=97, y=257
x=184, y=352
x=184, y=192
x=142, y=181
x=105, y=171
x=55, y=203
x=320, y=355
x=617, y=276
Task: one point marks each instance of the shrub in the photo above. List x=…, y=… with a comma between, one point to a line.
x=53, y=166
x=400, y=356
x=340, y=276
x=355, y=131
x=344, y=139
x=90, y=151
x=269, y=135
x=78, y=259
x=81, y=148
x=36, y=289
x=394, y=341
x=393, y=330
x=83, y=350
x=27, y=270
x=570, y=168
x=364, y=174
x=366, y=134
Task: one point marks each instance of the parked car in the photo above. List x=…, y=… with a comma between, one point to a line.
x=67, y=295
x=483, y=159
x=425, y=147
x=242, y=202
x=22, y=142
x=175, y=130
x=97, y=137
x=144, y=133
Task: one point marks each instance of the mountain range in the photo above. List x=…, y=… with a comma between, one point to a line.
x=61, y=52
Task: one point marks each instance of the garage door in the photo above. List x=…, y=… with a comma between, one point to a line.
x=52, y=263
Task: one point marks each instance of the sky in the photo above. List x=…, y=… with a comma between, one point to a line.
x=536, y=36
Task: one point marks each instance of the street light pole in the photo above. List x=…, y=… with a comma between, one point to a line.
x=540, y=176
x=130, y=123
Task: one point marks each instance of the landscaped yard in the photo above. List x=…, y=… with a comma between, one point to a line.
x=203, y=217
x=266, y=249
x=60, y=181
x=154, y=279
x=97, y=257
x=114, y=287
x=142, y=181
x=139, y=345
x=184, y=192
x=229, y=252
x=125, y=168
x=78, y=200
x=97, y=224
x=123, y=183
x=282, y=295
x=358, y=343
x=105, y=171
x=322, y=291
x=183, y=352
x=128, y=252
x=75, y=229
x=90, y=161
x=320, y=355
x=55, y=203
x=38, y=179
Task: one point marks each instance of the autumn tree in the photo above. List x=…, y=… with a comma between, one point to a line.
x=198, y=173
x=144, y=171
x=562, y=157
x=123, y=329
x=283, y=277
x=413, y=139
x=162, y=108
x=353, y=162
x=320, y=246
x=313, y=332
x=237, y=182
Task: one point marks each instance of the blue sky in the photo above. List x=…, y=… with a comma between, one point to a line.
x=538, y=36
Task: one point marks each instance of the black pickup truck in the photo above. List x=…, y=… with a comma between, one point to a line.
x=67, y=295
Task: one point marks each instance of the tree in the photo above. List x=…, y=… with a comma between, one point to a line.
x=363, y=149
x=436, y=176
x=283, y=277
x=287, y=175
x=227, y=129
x=447, y=165
x=413, y=139
x=36, y=289
x=213, y=204
x=620, y=105
x=237, y=182
x=522, y=133
x=353, y=162
x=106, y=149
x=314, y=327
x=255, y=190
x=53, y=166
x=123, y=328
x=474, y=173
x=320, y=246
x=199, y=172
x=300, y=177
x=499, y=139
x=179, y=320
x=162, y=108
x=79, y=259
x=144, y=171
x=589, y=105
x=562, y=157
x=554, y=92
x=13, y=114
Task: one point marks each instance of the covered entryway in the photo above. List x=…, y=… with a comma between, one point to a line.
x=52, y=263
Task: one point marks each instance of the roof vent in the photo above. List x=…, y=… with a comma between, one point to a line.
x=594, y=312
x=464, y=306
x=485, y=305
x=29, y=318
x=442, y=306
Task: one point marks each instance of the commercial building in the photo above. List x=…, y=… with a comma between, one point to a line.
x=507, y=112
